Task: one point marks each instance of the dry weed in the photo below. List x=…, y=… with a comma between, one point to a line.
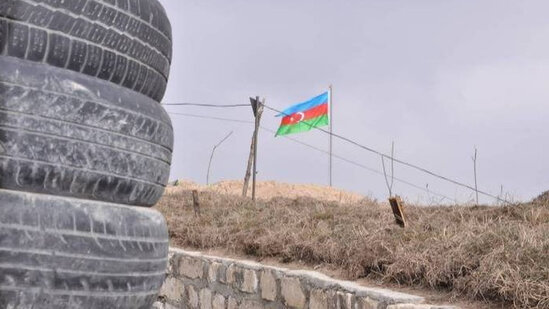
x=492, y=254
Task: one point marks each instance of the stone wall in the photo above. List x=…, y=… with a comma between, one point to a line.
x=206, y=282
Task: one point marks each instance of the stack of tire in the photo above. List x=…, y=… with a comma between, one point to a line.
x=85, y=150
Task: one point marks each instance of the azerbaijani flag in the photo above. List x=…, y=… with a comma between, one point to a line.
x=305, y=116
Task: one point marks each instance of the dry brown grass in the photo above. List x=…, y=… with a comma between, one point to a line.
x=492, y=254
x=270, y=189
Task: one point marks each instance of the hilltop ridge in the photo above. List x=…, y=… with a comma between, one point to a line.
x=267, y=190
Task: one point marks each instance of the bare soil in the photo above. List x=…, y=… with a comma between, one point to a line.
x=266, y=190
x=462, y=255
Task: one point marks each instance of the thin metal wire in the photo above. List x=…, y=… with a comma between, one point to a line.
x=421, y=169
x=211, y=117
x=207, y=105
x=408, y=183
x=365, y=167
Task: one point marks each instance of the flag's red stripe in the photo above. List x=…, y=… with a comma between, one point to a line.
x=314, y=112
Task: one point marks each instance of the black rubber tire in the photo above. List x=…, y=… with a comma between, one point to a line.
x=126, y=42
x=63, y=133
x=60, y=252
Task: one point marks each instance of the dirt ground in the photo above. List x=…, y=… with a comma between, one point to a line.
x=270, y=189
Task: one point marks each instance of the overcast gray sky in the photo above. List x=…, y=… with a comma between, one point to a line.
x=437, y=77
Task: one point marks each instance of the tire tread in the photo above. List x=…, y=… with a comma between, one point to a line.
x=59, y=260
x=87, y=43
x=113, y=145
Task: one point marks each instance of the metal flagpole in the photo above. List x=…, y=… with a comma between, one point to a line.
x=331, y=135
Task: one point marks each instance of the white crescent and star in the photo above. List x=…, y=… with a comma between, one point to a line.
x=300, y=115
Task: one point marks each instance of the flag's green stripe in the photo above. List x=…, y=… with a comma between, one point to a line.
x=304, y=126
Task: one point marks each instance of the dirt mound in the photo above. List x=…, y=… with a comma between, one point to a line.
x=267, y=190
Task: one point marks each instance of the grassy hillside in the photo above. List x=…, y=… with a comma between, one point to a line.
x=492, y=254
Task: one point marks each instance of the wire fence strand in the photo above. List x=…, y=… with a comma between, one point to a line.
x=413, y=166
x=211, y=117
x=349, y=161
x=207, y=105
x=365, y=167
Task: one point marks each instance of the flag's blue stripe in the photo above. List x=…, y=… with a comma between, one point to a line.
x=301, y=107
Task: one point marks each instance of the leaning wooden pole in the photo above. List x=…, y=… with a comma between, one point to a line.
x=257, y=107
x=248, y=168
x=398, y=210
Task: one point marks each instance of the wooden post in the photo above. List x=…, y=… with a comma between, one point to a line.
x=397, y=206
x=196, y=203
x=248, y=169
x=259, y=112
x=257, y=108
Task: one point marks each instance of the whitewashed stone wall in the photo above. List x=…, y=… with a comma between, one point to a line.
x=199, y=281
